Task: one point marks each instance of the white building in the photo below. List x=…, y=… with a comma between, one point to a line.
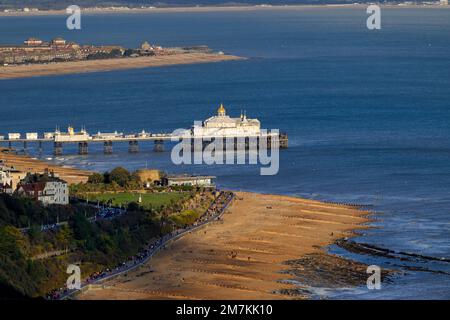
x=9, y=178
x=71, y=135
x=185, y=180
x=444, y=2
x=13, y=136
x=55, y=192
x=58, y=42
x=223, y=125
x=49, y=135
x=31, y=135
x=46, y=188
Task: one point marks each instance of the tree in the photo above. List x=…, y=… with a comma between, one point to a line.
x=107, y=177
x=114, y=186
x=120, y=175
x=96, y=178
x=133, y=206
x=12, y=242
x=63, y=236
x=34, y=233
x=82, y=228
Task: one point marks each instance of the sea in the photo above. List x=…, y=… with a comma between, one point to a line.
x=367, y=113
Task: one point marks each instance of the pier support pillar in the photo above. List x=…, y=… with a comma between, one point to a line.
x=9, y=145
x=247, y=143
x=107, y=147
x=269, y=142
x=133, y=146
x=261, y=143
x=204, y=145
x=25, y=147
x=40, y=148
x=58, y=148
x=197, y=145
x=82, y=148
x=159, y=145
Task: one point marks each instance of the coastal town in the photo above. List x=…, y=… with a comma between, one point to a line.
x=38, y=51
x=36, y=57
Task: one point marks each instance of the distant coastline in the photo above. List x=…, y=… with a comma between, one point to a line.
x=199, y=9
x=72, y=67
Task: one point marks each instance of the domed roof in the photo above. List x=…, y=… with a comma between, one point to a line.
x=221, y=111
x=146, y=46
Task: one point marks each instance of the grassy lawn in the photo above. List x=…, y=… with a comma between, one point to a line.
x=148, y=199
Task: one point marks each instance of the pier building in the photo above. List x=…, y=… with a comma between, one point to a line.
x=225, y=126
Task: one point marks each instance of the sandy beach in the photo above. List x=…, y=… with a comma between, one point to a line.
x=25, y=163
x=262, y=243
x=25, y=71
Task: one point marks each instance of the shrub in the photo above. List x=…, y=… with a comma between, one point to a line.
x=187, y=217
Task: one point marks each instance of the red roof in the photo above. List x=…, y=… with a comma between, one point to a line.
x=32, y=189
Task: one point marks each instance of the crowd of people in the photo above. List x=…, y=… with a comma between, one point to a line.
x=215, y=211
x=45, y=227
x=109, y=213
x=52, y=226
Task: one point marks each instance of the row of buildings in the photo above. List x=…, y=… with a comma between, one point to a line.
x=47, y=187
x=26, y=9
x=35, y=50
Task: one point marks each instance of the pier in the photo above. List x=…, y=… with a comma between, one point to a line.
x=83, y=140
x=224, y=132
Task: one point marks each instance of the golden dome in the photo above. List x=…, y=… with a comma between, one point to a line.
x=221, y=110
